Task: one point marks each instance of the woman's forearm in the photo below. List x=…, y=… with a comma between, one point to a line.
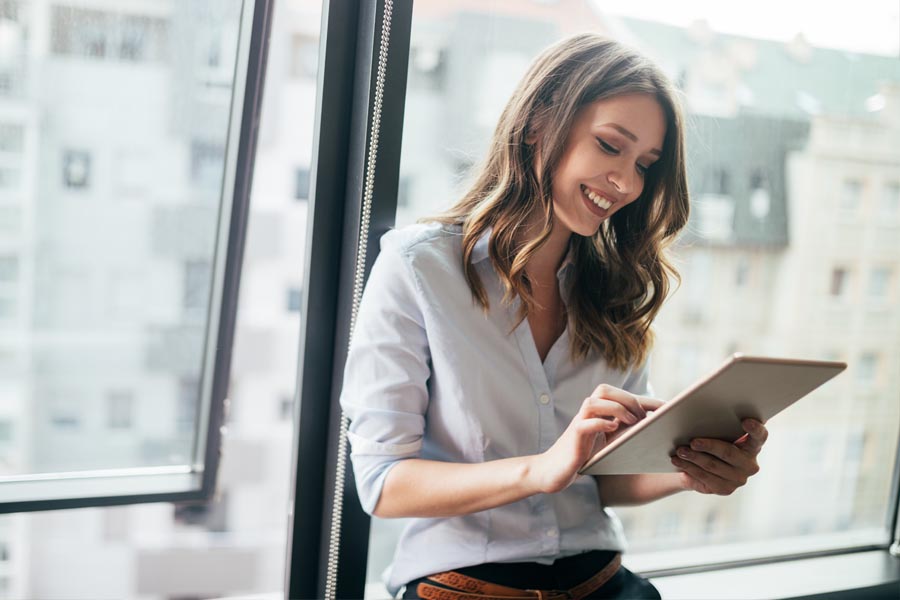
x=631, y=490
x=426, y=488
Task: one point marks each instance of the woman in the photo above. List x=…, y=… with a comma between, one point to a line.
x=481, y=331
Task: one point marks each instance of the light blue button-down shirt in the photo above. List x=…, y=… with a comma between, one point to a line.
x=429, y=376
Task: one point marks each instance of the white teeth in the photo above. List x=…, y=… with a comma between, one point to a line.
x=604, y=204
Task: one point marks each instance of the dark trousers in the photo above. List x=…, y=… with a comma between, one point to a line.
x=563, y=574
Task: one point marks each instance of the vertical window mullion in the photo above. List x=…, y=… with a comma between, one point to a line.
x=344, y=126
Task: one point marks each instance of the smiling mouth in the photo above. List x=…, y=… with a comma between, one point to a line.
x=596, y=198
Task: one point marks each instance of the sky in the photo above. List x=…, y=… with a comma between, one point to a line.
x=870, y=26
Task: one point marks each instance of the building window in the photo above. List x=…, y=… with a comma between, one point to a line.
x=76, y=169
x=12, y=138
x=10, y=178
x=188, y=403
x=65, y=418
x=286, y=407
x=196, y=286
x=9, y=268
x=304, y=56
x=7, y=307
x=890, y=200
x=879, y=283
x=207, y=163
x=294, y=299
x=120, y=409
x=742, y=273
x=867, y=369
x=840, y=277
x=106, y=35
x=403, y=192
x=851, y=195
x=719, y=182
x=302, y=190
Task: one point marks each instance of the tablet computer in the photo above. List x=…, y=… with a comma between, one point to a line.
x=743, y=387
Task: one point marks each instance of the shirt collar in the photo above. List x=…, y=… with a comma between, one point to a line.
x=480, y=252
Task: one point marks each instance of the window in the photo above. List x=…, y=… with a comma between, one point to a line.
x=108, y=300
x=294, y=299
x=880, y=283
x=890, y=201
x=304, y=56
x=188, y=403
x=867, y=370
x=95, y=34
x=76, y=169
x=851, y=195
x=206, y=163
x=840, y=277
x=403, y=192
x=120, y=409
x=770, y=175
x=719, y=181
x=286, y=408
x=9, y=268
x=196, y=286
x=12, y=138
x=742, y=272
x=302, y=187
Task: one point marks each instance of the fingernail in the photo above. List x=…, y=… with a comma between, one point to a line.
x=696, y=444
x=683, y=453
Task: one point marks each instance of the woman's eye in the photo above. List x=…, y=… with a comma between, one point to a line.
x=642, y=169
x=606, y=147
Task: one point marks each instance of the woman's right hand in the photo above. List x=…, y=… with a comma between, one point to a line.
x=598, y=422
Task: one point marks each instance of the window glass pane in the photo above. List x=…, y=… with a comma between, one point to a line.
x=778, y=159
x=141, y=399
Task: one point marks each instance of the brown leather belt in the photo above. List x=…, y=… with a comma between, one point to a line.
x=456, y=586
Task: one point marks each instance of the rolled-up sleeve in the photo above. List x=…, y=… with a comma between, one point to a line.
x=384, y=389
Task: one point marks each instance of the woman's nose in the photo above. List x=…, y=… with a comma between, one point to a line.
x=623, y=183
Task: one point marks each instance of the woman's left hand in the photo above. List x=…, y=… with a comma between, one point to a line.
x=717, y=467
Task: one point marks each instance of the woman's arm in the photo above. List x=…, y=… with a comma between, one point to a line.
x=632, y=490
x=427, y=488
x=416, y=487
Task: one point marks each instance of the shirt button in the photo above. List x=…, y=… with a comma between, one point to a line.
x=545, y=399
x=551, y=533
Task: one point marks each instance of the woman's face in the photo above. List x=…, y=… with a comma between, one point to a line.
x=610, y=146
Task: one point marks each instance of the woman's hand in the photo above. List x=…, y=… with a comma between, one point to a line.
x=602, y=413
x=718, y=467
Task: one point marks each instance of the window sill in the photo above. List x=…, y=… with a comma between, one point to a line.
x=860, y=575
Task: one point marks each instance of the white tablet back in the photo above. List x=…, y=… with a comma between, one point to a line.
x=744, y=387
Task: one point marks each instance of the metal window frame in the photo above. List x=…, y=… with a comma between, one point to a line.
x=348, y=63
x=196, y=482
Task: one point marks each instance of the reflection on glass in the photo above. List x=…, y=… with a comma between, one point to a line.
x=789, y=172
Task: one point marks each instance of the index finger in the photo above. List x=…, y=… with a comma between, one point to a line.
x=650, y=403
x=626, y=399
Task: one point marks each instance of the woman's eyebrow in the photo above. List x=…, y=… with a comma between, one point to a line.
x=630, y=136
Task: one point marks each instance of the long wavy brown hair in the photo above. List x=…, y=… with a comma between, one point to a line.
x=622, y=274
